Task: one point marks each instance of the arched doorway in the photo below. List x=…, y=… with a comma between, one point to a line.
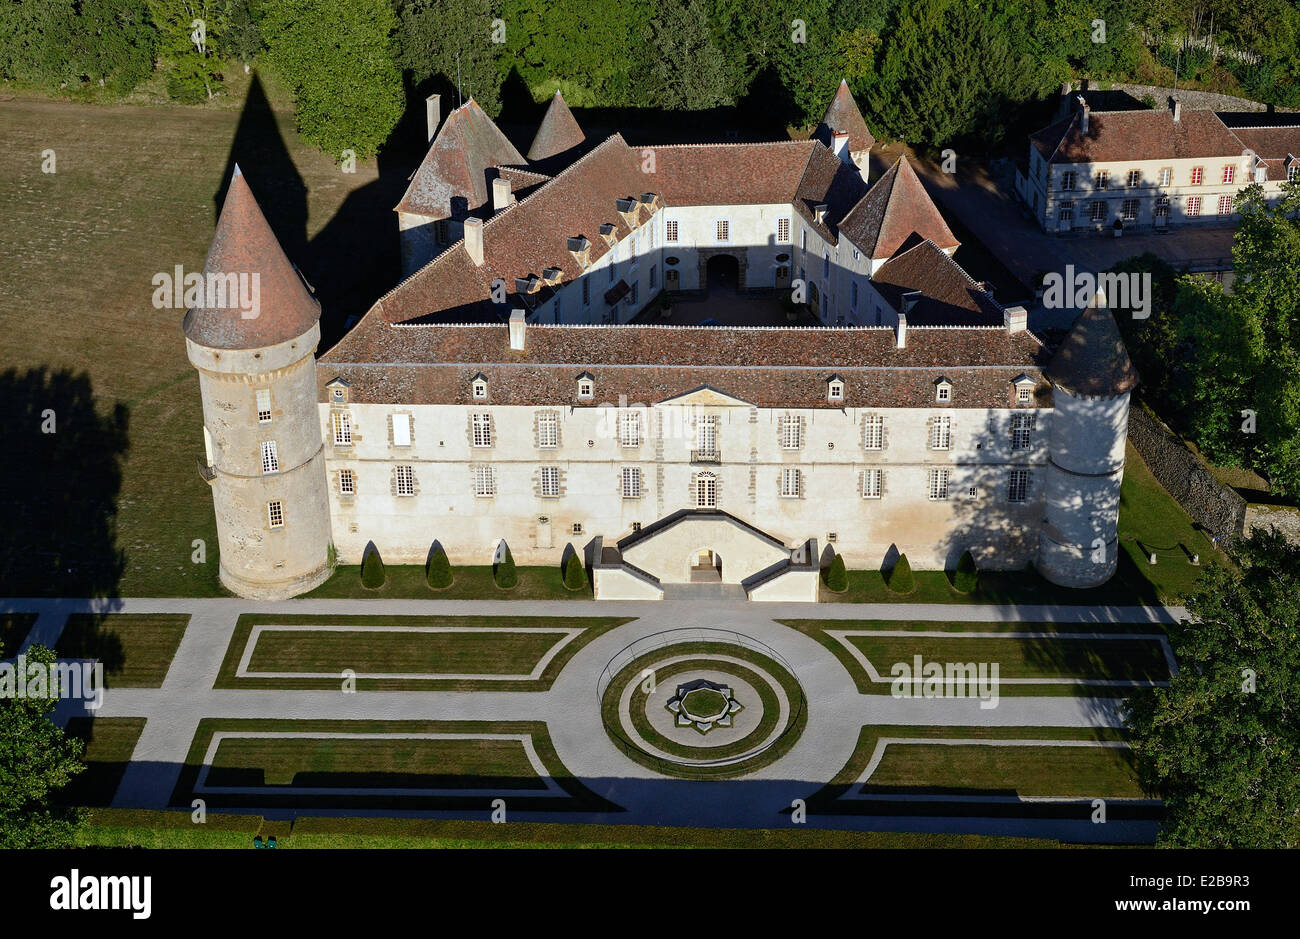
x=722, y=273
x=705, y=567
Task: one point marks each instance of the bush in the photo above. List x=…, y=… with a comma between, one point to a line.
x=967, y=576
x=575, y=574
x=837, y=578
x=438, y=571
x=372, y=569
x=900, y=579
x=504, y=572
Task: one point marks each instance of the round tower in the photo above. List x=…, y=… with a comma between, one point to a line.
x=1091, y=376
x=252, y=335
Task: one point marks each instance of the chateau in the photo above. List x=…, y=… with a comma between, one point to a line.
x=516, y=389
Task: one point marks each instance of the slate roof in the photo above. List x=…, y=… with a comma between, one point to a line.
x=843, y=114
x=1092, y=361
x=894, y=209
x=244, y=244
x=453, y=178
x=950, y=297
x=559, y=131
x=1127, y=136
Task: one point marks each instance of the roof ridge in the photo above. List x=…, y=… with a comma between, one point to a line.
x=738, y=143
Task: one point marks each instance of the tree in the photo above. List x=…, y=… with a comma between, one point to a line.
x=452, y=40
x=837, y=578
x=30, y=37
x=686, y=70
x=338, y=57
x=900, y=579
x=505, y=573
x=1220, y=745
x=187, y=47
x=373, y=574
x=575, y=575
x=242, y=38
x=37, y=758
x=967, y=577
x=110, y=42
x=438, y=571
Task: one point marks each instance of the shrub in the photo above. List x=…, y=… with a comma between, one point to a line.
x=505, y=574
x=438, y=571
x=900, y=579
x=372, y=569
x=837, y=578
x=575, y=574
x=967, y=577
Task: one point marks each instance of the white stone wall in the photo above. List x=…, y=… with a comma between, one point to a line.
x=752, y=234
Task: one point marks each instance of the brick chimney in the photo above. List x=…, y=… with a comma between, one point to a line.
x=501, y=194
x=474, y=240
x=518, y=327
x=432, y=115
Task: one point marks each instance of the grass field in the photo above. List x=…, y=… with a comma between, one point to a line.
x=136, y=648
x=407, y=581
x=110, y=741
x=367, y=647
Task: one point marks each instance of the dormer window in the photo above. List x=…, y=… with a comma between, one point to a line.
x=338, y=391
x=943, y=391
x=1024, y=386
x=480, y=388
x=586, y=386
x=834, y=388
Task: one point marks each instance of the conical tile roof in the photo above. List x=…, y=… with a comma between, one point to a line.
x=559, y=132
x=1092, y=361
x=843, y=114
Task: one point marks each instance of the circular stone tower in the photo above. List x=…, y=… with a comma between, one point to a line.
x=252, y=335
x=1091, y=376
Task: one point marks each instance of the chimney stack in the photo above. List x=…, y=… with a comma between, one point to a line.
x=901, y=332
x=1015, y=318
x=910, y=298
x=840, y=145
x=432, y=114
x=518, y=325
x=501, y=194
x=474, y=240
x=1177, y=107
x=1084, y=112
x=819, y=212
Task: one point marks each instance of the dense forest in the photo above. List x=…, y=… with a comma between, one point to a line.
x=930, y=72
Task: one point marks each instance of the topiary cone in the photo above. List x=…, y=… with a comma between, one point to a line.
x=575, y=575
x=373, y=574
x=505, y=574
x=837, y=578
x=900, y=578
x=438, y=571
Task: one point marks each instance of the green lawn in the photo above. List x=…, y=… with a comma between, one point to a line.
x=368, y=647
x=407, y=581
x=110, y=741
x=136, y=648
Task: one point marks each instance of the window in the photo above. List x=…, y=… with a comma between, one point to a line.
x=632, y=297
x=1193, y=206
x=347, y=482
x=1162, y=207
x=670, y=230
x=783, y=230
x=722, y=229
x=943, y=392
x=835, y=391
x=275, y=514
x=1293, y=172
x=654, y=276
x=804, y=237
x=706, y=491
x=440, y=232
x=586, y=388
x=1017, y=485
x=1165, y=176
x=1134, y=178
x=706, y=436
x=1101, y=180
x=586, y=291
x=1129, y=210
x=338, y=394
x=853, y=295
x=1024, y=393
x=1198, y=175
x=1097, y=210
x=790, y=480
x=791, y=433
x=558, y=309
x=1067, y=180
x=482, y=429
x=480, y=386
x=405, y=481
x=1229, y=173
x=264, y=405
x=1066, y=212
x=871, y=480
x=613, y=270
x=1225, y=205
x=1022, y=428
x=631, y=482
x=873, y=432
x=485, y=481
x=270, y=460
x=548, y=430
x=549, y=479
x=938, y=484
x=629, y=429
x=826, y=264
x=401, y=430
x=577, y=528
x=342, y=429
x=941, y=433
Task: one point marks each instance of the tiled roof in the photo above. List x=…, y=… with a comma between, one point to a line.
x=893, y=210
x=829, y=181
x=1273, y=145
x=729, y=173
x=558, y=132
x=766, y=367
x=456, y=166
x=1125, y=136
x=244, y=244
x=1092, y=360
x=949, y=296
x=843, y=114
